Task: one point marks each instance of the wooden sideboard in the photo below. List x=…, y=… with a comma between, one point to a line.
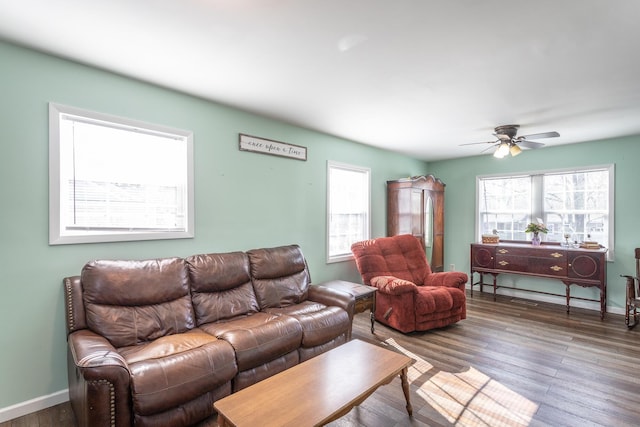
x=582, y=267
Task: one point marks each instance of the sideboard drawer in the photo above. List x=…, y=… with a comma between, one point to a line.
x=532, y=264
x=512, y=262
x=547, y=266
x=533, y=251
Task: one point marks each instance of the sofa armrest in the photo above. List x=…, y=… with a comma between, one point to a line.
x=392, y=285
x=332, y=297
x=99, y=387
x=452, y=279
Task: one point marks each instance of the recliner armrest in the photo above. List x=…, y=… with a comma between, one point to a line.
x=453, y=279
x=99, y=381
x=392, y=285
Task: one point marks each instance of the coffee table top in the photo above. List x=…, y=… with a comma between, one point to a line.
x=316, y=391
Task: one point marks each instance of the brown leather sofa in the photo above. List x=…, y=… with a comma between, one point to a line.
x=156, y=342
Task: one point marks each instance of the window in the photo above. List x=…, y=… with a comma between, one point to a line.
x=115, y=179
x=348, y=207
x=574, y=204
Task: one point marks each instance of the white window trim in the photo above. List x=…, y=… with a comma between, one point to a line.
x=56, y=235
x=611, y=169
x=353, y=168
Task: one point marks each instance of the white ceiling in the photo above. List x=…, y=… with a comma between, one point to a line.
x=416, y=76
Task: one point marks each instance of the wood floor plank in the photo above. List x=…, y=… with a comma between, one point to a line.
x=510, y=363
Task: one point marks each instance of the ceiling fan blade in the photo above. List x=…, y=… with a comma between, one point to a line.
x=540, y=135
x=530, y=144
x=475, y=143
x=489, y=148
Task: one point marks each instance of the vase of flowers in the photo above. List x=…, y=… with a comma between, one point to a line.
x=536, y=229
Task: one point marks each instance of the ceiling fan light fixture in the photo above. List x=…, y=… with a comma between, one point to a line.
x=501, y=151
x=514, y=150
x=508, y=143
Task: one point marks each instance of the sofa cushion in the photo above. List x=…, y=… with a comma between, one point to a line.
x=320, y=324
x=131, y=302
x=280, y=276
x=432, y=299
x=258, y=338
x=177, y=368
x=251, y=376
x=190, y=413
x=221, y=287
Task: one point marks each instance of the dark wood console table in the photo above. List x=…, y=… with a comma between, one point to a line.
x=582, y=267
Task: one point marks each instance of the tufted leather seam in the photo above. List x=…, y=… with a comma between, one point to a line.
x=112, y=400
x=70, y=318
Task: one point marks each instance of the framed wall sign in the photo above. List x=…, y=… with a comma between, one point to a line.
x=275, y=148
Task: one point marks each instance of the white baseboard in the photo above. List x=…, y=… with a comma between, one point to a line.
x=532, y=296
x=33, y=405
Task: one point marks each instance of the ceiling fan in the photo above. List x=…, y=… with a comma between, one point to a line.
x=508, y=143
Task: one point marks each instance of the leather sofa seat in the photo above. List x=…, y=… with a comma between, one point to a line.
x=226, y=307
x=260, y=339
x=157, y=342
x=143, y=311
x=176, y=369
x=320, y=325
x=281, y=280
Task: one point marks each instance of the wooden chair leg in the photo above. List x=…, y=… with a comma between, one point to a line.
x=631, y=309
x=630, y=312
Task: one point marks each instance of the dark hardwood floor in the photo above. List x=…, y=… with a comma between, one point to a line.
x=512, y=362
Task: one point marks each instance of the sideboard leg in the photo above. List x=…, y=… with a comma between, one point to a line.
x=568, y=297
x=495, y=285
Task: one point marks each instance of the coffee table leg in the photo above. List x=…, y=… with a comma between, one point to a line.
x=373, y=320
x=373, y=312
x=222, y=421
x=405, y=389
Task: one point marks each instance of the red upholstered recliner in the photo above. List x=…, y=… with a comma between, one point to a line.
x=410, y=296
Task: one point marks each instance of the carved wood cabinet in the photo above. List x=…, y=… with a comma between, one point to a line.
x=416, y=206
x=583, y=267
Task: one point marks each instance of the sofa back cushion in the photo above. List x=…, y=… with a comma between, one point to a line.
x=221, y=286
x=130, y=302
x=399, y=256
x=280, y=276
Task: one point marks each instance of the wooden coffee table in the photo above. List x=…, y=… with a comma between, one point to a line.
x=317, y=391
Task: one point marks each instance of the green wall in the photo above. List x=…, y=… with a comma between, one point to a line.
x=243, y=200
x=460, y=177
